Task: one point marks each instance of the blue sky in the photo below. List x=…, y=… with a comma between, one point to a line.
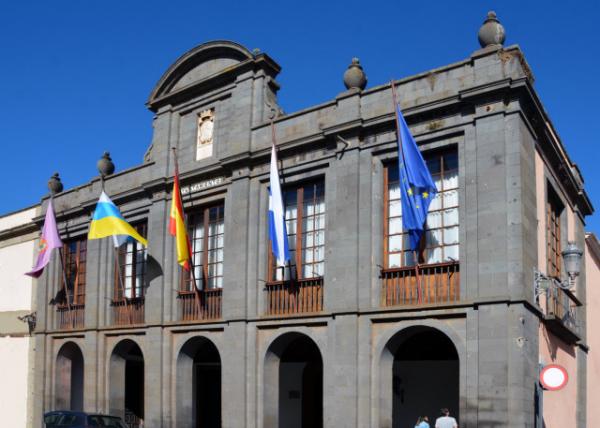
x=74, y=75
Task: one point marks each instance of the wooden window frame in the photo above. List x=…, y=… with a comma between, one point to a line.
x=554, y=209
x=80, y=259
x=186, y=278
x=138, y=250
x=423, y=245
x=298, y=267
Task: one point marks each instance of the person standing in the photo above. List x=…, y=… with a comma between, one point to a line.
x=422, y=422
x=446, y=421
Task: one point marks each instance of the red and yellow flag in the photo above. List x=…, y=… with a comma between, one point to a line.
x=177, y=226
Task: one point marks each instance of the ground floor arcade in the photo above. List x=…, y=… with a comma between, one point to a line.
x=378, y=370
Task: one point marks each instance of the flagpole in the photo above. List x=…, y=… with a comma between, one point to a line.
x=118, y=266
x=190, y=249
x=415, y=255
x=66, y=285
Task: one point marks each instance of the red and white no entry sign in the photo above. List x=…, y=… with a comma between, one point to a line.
x=553, y=377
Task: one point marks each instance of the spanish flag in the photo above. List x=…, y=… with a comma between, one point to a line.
x=177, y=226
x=108, y=221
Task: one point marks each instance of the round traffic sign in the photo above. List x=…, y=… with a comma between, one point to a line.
x=553, y=377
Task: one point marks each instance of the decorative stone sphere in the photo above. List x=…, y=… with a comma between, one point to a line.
x=491, y=32
x=54, y=184
x=105, y=165
x=354, y=76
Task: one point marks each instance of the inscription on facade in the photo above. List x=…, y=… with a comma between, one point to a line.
x=206, y=184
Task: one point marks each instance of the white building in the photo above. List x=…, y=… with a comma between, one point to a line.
x=18, y=238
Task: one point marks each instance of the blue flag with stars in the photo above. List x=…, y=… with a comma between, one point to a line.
x=417, y=188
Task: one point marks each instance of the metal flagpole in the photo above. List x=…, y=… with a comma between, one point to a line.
x=190, y=249
x=66, y=285
x=415, y=255
x=118, y=266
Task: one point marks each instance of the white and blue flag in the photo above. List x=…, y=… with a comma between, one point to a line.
x=277, y=230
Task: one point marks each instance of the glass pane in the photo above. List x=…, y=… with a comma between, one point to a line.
x=395, y=243
x=451, y=252
x=395, y=209
x=395, y=226
x=434, y=164
x=434, y=238
x=434, y=219
x=434, y=255
x=308, y=256
x=451, y=235
x=409, y=259
x=320, y=221
x=435, y=203
x=394, y=260
x=451, y=217
x=319, y=254
x=320, y=238
x=451, y=180
x=308, y=239
x=450, y=198
x=394, y=191
x=319, y=269
x=451, y=161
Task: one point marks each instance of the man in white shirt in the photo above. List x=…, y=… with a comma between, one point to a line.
x=446, y=421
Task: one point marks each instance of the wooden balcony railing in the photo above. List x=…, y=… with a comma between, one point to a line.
x=128, y=311
x=435, y=283
x=295, y=297
x=70, y=319
x=560, y=309
x=208, y=309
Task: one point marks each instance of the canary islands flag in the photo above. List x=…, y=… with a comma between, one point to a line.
x=108, y=221
x=417, y=188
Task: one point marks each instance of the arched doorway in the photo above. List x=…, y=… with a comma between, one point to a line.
x=198, y=385
x=293, y=383
x=127, y=383
x=69, y=378
x=424, y=367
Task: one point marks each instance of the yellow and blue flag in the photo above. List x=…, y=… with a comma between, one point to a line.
x=417, y=188
x=108, y=221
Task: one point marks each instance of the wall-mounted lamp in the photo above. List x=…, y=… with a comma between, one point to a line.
x=572, y=260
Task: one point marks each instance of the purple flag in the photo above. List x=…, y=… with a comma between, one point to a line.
x=48, y=241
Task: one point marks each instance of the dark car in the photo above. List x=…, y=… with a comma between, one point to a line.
x=65, y=418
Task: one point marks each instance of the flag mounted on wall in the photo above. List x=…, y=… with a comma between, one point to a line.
x=177, y=225
x=108, y=221
x=277, y=229
x=49, y=240
x=417, y=188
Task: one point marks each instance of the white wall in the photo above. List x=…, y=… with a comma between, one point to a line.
x=13, y=374
x=15, y=286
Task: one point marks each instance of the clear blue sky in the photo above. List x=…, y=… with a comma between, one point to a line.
x=74, y=75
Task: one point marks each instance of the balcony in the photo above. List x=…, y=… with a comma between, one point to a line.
x=439, y=284
x=294, y=297
x=202, y=306
x=128, y=311
x=70, y=317
x=560, y=313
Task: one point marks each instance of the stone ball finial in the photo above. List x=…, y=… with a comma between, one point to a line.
x=105, y=165
x=491, y=32
x=54, y=184
x=354, y=76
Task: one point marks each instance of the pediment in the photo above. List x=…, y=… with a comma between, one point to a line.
x=197, y=65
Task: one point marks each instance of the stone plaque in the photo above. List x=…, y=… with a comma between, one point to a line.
x=204, y=144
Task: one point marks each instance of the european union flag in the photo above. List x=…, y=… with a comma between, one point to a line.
x=417, y=188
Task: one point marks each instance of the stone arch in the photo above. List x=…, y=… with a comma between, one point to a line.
x=293, y=383
x=127, y=382
x=198, y=384
x=415, y=361
x=69, y=377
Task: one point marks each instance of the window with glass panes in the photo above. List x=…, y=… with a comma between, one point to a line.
x=440, y=241
x=206, y=230
x=305, y=223
x=553, y=245
x=132, y=261
x=74, y=258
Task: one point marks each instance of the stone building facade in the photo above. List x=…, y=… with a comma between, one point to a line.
x=352, y=334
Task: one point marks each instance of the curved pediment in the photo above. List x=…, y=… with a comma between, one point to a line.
x=198, y=64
